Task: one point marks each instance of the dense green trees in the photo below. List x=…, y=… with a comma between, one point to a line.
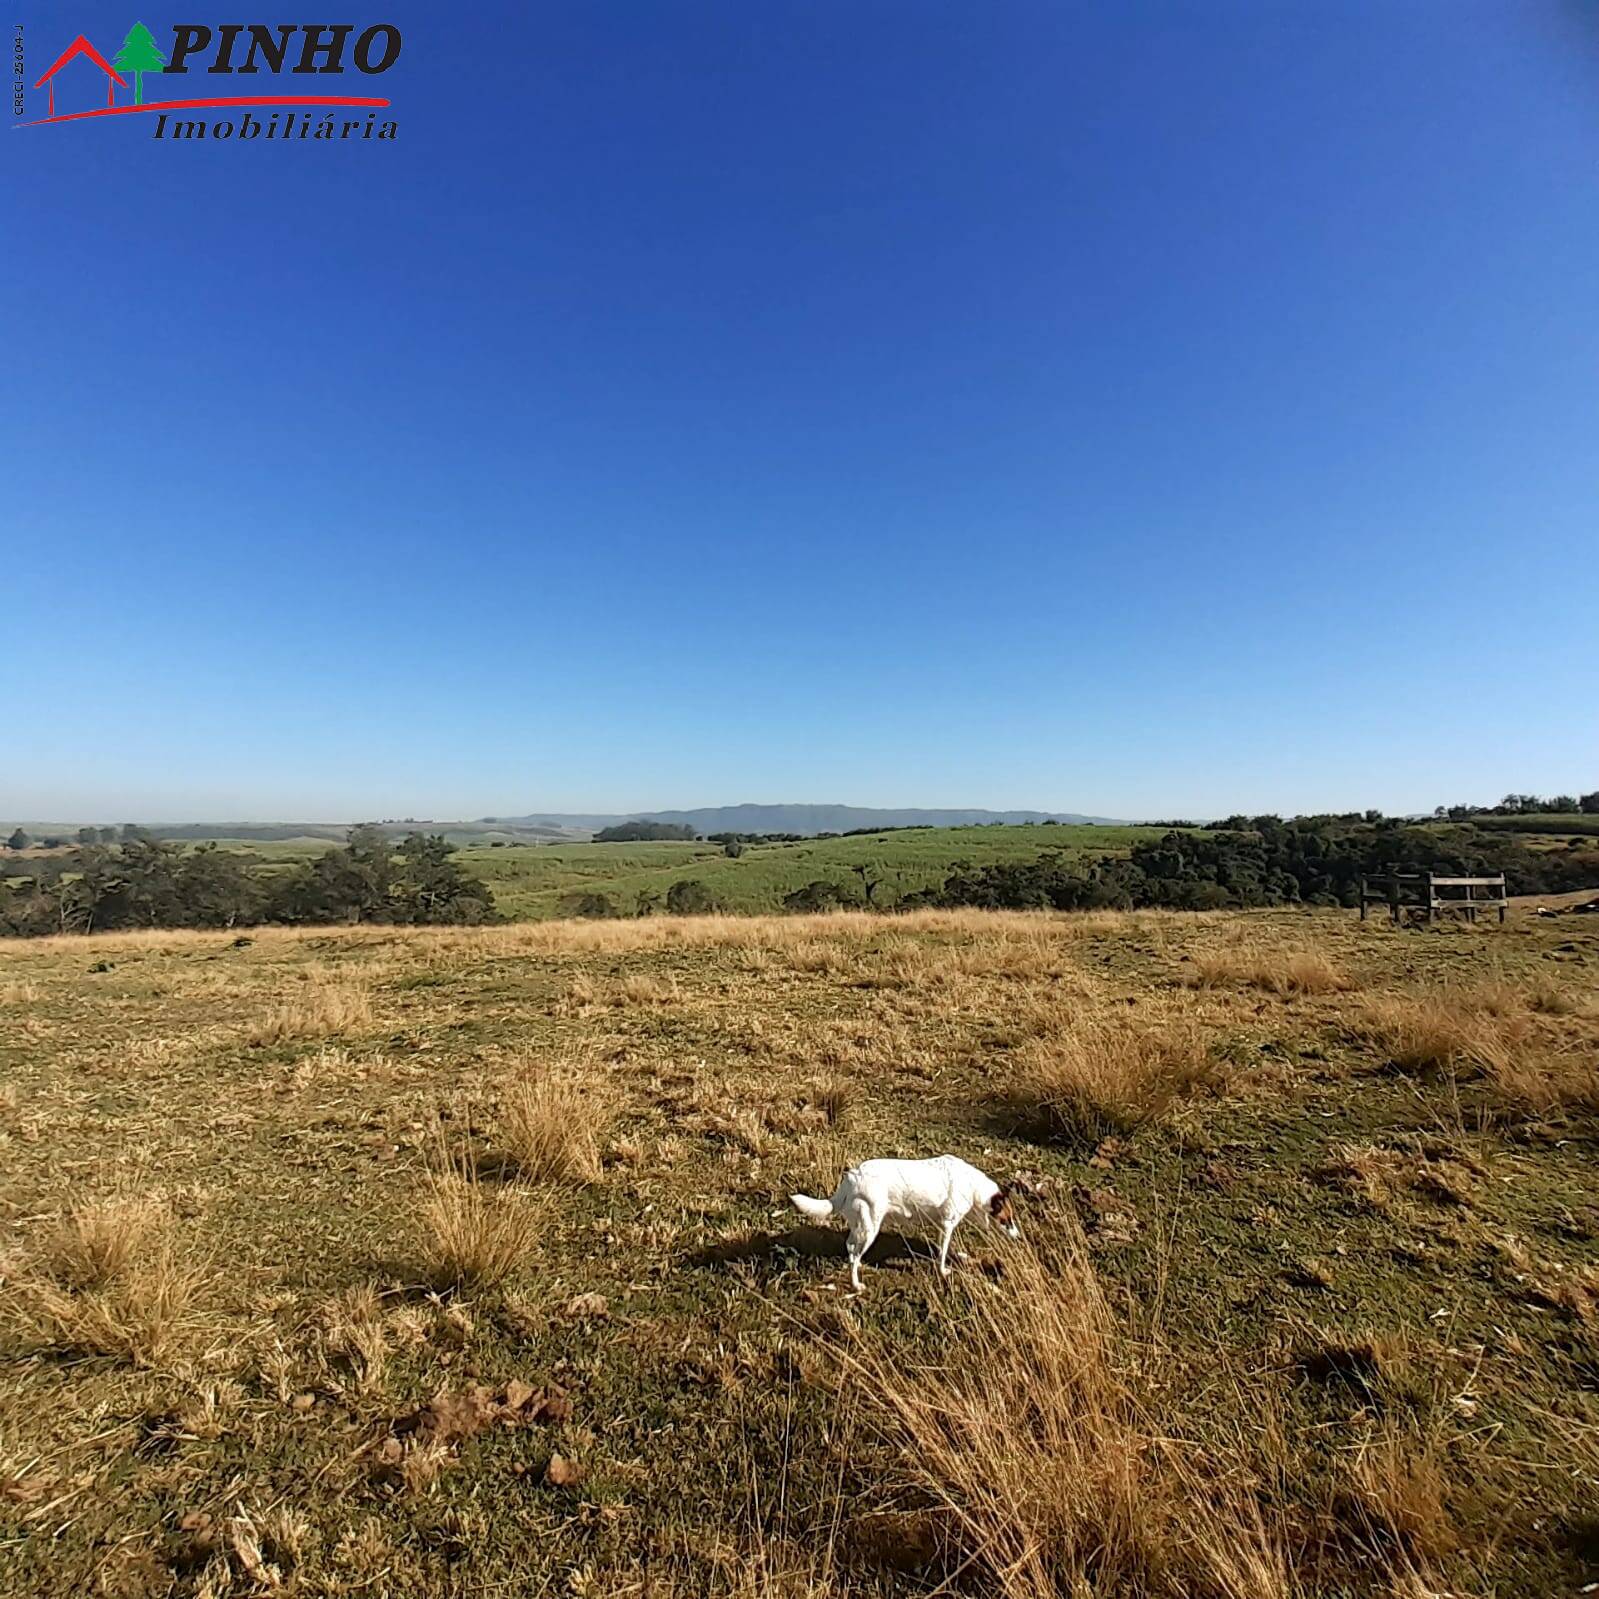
x=816, y=896
x=1525, y=805
x=1261, y=860
x=147, y=883
x=690, y=897
x=643, y=832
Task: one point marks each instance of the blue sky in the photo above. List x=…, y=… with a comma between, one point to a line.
x=1148, y=409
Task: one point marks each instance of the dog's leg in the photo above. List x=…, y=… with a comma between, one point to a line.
x=863, y=1228
x=943, y=1245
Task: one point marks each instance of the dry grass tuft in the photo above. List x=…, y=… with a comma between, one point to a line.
x=1395, y=1500
x=642, y=989
x=473, y=1232
x=1109, y=1075
x=353, y=1338
x=741, y=1127
x=833, y=1096
x=813, y=955
x=1440, y=1032
x=1546, y=1082
x=109, y=1279
x=1280, y=972
x=326, y=1006
x=554, y=1122
x=1546, y=997
x=1487, y=1033
x=1036, y=1442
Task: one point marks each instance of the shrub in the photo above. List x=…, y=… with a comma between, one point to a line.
x=690, y=897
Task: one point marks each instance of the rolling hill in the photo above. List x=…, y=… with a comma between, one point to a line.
x=807, y=820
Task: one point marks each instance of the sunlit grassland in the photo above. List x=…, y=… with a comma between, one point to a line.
x=532, y=881
x=452, y=1261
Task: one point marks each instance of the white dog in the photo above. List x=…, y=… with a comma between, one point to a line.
x=944, y=1190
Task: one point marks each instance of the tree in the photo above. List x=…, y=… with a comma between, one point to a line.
x=430, y=887
x=643, y=832
x=869, y=884
x=592, y=906
x=218, y=889
x=690, y=897
x=18, y=840
x=139, y=55
x=1589, y=804
x=816, y=896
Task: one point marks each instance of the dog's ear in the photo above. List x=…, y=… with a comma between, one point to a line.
x=999, y=1205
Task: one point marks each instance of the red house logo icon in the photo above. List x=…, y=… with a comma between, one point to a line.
x=81, y=47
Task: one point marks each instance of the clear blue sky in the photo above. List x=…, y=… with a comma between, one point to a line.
x=1136, y=409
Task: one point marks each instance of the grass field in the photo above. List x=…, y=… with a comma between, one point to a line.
x=531, y=882
x=457, y=1262
x=1554, y=825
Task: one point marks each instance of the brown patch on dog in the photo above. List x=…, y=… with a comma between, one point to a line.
x=1000, y=1207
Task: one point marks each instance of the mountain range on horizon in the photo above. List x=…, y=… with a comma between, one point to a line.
x=803, y=819
x=575, y=826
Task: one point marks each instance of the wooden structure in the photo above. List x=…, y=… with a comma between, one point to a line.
x=1427, y=896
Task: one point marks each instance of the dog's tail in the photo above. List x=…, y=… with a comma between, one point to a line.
x=816, y=1209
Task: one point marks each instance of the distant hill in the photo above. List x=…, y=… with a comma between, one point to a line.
x=807, y=820
x=550, y=827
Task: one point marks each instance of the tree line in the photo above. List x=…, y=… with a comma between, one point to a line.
x=1258, y=861
x=1525, y=805
x=141, y=881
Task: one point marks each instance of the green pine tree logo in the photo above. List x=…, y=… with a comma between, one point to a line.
x=139, y=55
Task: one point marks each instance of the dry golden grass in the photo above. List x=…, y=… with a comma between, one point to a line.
x=1109, y=1074
x=353, y=1338
x=1440, y=1031
x=1037, y=1441
x=1546, y=1081
x=1034, y=1433
x=473, y=1231
x=1277, y=971
x=739, y=1127
x=1395, y=1500
x=815, y=955
x=833, y=1096
x=19, y=991
x=1546, y=997
x=325, y=1006
x=109, y=1278
x=642, y=989
x=554, y=1119
x=1488, y=1032
x=101, y=1238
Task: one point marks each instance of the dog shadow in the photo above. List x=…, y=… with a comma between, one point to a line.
x=810, y=1243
